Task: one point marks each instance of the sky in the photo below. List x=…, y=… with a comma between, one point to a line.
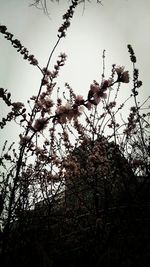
x=110, y=26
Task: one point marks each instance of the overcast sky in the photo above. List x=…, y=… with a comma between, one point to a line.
x=111, y=27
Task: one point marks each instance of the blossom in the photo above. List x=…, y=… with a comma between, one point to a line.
x=47, y=103
x=93, y=95
x=24, y=139
x=79, y=100
x=88, y=105
x=63, y=109
x=40, y=124
x=17, y=106
x=119, y=69
x=68, y=112
x=63, y=113
x=60, y=109
x=101, y=94
x=96, y=99
x=44, y=104
x=96, y=93
x=123, y=76
x=94, y=88
x=105, y=84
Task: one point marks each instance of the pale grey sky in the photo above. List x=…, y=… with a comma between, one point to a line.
x=111, y=27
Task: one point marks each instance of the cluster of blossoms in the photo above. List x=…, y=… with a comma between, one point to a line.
x=44, y=104
x=132, y=120
x=75, y=109
x=66, y=17
x=67, y=112
x=96, y=93
x=48, y=75
x=17, y=44
x=17, y=107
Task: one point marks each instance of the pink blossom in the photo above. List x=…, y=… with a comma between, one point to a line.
x=106, y=83
x=24, y=139
x=125, y=77
x=102, y=94
x=63, y=113
x=79, y=100
x=96, y=99
x=96, y=93
x=63, y=118
x=94, y=88
x=63, y=109
x=88, y=105
x=68, y=112
x=119, y=69
x=60, y=109
x=93, y=95
x=40, y=124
